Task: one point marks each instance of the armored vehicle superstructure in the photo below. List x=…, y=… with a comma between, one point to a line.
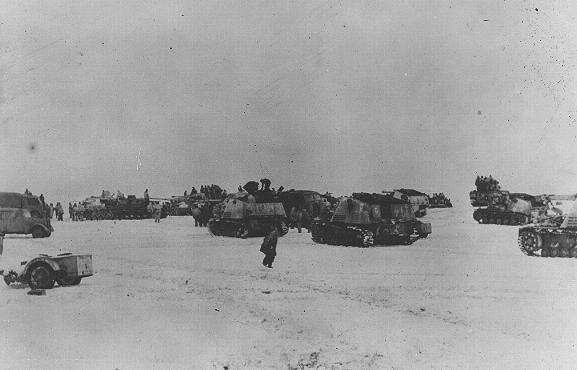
x=419, y=201
x=367, y=219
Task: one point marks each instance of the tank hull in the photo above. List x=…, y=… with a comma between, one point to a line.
x=548, y=241
x=500, y=217
x=368, y=235
x=244, y=228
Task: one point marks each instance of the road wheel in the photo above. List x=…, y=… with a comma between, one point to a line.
x=554, y=252
x=66, y=281
x=545, y=252
x=564, y=252
x=240, y=231
x=41, y=276
x=499, y=221
x=38, y=232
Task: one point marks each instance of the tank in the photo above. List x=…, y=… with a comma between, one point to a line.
x=496, y=206
x=365, y=220
x=245, y=215
x=439, y=200
x=555, y=236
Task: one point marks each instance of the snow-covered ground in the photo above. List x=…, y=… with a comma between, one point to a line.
x=170, y=295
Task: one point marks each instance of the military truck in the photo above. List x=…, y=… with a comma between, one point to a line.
x=555, y=236
x=247, y=214
x=24, y=214
x=367, y=219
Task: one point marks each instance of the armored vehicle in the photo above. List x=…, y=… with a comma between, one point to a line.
x=366, y=219
x=500, y=208
x=553, y=236
x=419, y=201
x=24, y=214
x=496, y=206
x=247, y=214
x=439, y=200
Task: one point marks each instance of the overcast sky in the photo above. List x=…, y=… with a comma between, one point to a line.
x=336, y=96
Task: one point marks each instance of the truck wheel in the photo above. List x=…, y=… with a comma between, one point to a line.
x=41, y=276
x=66, y=281
x=38, y=232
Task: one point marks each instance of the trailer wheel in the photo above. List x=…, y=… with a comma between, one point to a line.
x=66, y=281
x=41, y=276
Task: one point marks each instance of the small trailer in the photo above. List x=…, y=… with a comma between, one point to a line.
x=43, y=271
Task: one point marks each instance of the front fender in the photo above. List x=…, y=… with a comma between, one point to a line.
x=50, y=262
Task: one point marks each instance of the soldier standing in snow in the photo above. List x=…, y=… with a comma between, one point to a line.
x=268, y=247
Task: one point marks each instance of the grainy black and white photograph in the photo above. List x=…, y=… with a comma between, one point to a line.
x=275, y=184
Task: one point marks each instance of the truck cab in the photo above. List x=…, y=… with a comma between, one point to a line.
x=24, y=214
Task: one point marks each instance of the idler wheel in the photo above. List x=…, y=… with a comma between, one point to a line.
x=545, y=252
x=554, y=252
x=564, y=252
x=573, y=252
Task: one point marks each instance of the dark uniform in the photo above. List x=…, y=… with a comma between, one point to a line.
x=268, y=247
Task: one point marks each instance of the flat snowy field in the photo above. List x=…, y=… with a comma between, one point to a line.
x=170, y=295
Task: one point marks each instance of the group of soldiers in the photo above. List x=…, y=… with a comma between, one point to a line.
x=484, y=183
x=202, y=213
x=51, y=210
x=211, y=191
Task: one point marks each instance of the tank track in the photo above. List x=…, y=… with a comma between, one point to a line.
x=495, y=217
x=220, y=227
x=531, y=241
x=346, y=236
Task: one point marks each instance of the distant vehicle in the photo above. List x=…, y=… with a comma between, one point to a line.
x=419, y=201
x=439, y=200
x=247, y=215
x=496, y=206
x=109, y=208
x=24, y=214
x=367, y=219
x=302, y=199
x=43, y=271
